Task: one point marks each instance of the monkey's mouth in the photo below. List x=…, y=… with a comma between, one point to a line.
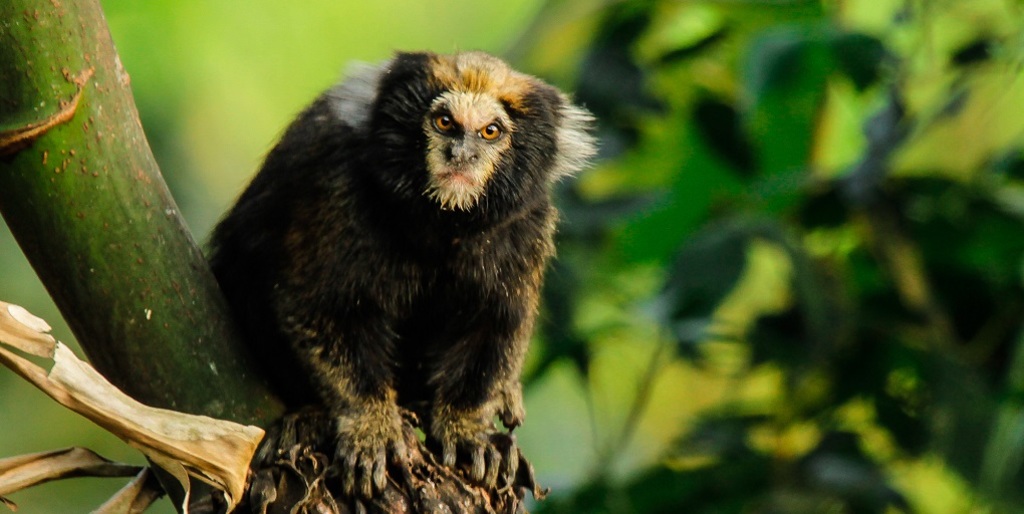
x=456, y=188
x=459, y=176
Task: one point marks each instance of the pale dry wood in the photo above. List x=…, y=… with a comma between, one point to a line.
x=215, y=451
x=24, y=471
x=135, y=497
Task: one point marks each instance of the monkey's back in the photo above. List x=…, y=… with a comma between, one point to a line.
x=247, y=248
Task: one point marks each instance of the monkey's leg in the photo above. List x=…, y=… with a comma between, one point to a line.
x=474, y=381
x=348, y=357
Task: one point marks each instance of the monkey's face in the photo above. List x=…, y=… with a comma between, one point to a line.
x=467, y=134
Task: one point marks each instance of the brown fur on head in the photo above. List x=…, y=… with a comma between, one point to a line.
x=478, y=72
x=469, y=129
x=480, y=128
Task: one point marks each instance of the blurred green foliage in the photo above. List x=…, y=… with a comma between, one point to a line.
x=793, y=283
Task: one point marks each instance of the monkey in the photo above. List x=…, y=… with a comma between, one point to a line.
x=390, y=251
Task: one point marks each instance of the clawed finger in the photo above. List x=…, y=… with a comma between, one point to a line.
x=492, y=461
x=479, y=466
x=510, y=459
x=365, y=473
x=365, y=477
x=380, y=470
x=493, y=466
x=348, y=473
x=448, y=453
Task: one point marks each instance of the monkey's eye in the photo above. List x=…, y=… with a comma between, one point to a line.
x=491, y=132
x=444, y=122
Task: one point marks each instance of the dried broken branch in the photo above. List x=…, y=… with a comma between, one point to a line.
x=215, y=451
x=135, y=497
x=24, y=471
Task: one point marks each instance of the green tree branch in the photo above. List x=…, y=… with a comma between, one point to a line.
x=86, y=202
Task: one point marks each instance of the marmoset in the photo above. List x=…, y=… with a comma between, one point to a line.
x=390, y=251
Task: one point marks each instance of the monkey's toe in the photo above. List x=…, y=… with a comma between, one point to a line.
x=365, y=448
x=358, y=469
x=509, y=450
x=491, y=460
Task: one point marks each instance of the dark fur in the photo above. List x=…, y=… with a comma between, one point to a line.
x=333, y=247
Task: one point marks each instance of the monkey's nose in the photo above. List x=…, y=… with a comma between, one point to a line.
x=462, y=153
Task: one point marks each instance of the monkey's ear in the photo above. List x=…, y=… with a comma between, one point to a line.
x=576, y=144
x=353, y=98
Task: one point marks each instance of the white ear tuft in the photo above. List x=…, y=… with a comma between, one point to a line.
x=576, y=145
x=353, y=98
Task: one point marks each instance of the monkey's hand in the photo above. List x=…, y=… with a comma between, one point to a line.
x=471, y=437
x=369, y=437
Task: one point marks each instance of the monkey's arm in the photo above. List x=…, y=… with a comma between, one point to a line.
x=346, y=350
x=477, y=380
x=478, y=377
x=337, y=312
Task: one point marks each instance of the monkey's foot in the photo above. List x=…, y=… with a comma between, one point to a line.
x=292, y=472
x=369, y=437
x=491, y=457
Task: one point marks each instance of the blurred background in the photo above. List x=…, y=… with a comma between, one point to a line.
x=793, y=283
